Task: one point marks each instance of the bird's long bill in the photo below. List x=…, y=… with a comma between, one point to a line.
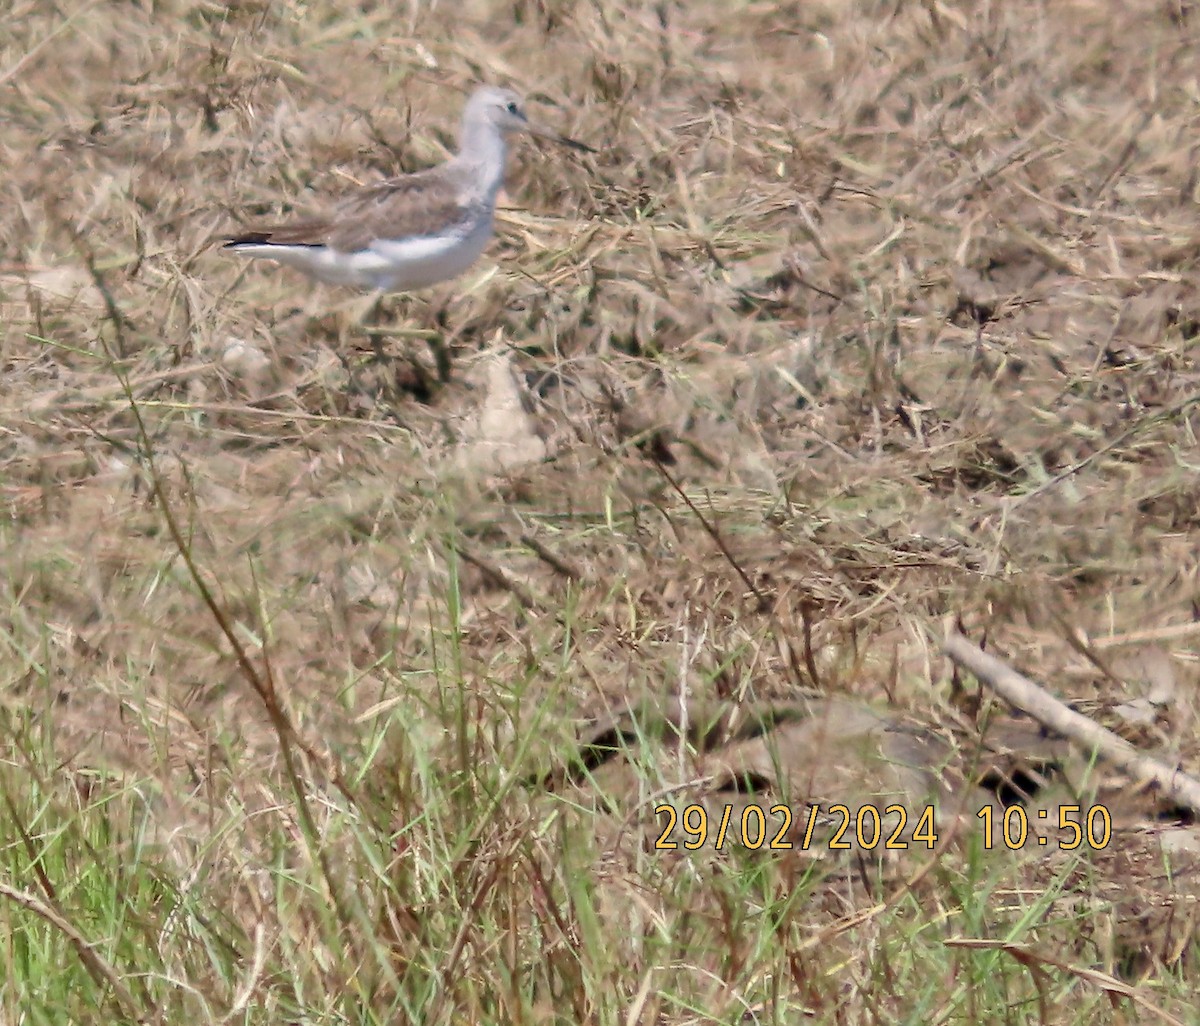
x=562, y=140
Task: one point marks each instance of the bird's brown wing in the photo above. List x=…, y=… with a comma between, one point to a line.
x=314, y=231
x=410, y=206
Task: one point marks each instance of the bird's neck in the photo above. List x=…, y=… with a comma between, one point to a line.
x=481, y=153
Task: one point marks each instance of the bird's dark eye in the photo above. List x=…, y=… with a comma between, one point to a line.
x=512, y=108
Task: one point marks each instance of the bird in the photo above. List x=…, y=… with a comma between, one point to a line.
x=414, y=230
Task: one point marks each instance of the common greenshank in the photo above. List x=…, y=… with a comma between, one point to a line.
x=415, y=230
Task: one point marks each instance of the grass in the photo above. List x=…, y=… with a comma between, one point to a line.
x=343, y=689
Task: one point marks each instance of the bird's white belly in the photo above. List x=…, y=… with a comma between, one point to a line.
x=390, y=265
x=417, y=263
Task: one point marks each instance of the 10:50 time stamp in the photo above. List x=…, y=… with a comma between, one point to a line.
x=869, y=827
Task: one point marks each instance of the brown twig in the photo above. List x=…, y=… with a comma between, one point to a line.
x=498, y=575
x=97, y=967
x=1109, y=984
x=764, y=603
x=1023, y=694
x=552, y=558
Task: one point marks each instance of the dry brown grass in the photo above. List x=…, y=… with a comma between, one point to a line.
x=865, y=316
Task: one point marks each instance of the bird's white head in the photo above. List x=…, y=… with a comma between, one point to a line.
x=502, y=110
x=501, y=107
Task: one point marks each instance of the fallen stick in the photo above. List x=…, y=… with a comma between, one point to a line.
x=1023, y=694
